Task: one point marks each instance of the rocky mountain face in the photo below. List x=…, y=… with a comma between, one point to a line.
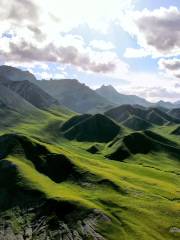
x=31, y=93
x=72, y=94
x=117, y=98
x=75, y=95
x=15, y=74
x=12, y=101
x=41, y=228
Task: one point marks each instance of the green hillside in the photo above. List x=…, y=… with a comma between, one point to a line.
x=137, y=118
x=47, y=180
x=69, y=176
x=176, y=131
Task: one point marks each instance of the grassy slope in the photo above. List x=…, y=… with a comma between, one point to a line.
x=142, y=205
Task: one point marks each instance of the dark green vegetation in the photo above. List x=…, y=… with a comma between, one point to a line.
x=106, y=182
x=144, y=143
x=176, y=131
x=137, y=123
x=87, y=128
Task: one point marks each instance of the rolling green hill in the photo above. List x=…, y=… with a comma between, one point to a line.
x=48, y=182
x=175, y=113
x=81, y=177
x=143, y=143
x=176, y=131
x=137, y=123
x=137, y=118
x=87, y=128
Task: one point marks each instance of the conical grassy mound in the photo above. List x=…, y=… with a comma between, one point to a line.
x=74, y=120
x=93, y=149
x=176, y=131
x=137, y=124
x=97, y=128
x=143, y=143
x=156, y=118
x=151, y=115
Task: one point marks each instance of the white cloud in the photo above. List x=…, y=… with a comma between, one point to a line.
x=143, y=84
x=135, y=53
x=29, y=66
x=155, y=94
x=81, y=57
x=49, y=75
x=158, y=35
x=96, y=14
x=39, y=33
x=41, y=36
x=157, y=31
x=61, y=15
x=101, y=45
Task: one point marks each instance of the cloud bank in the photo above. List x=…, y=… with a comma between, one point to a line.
x=30, y=33
x=170, y=66
x=157, y=32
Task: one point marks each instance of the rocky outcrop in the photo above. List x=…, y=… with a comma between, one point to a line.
x=46, y=228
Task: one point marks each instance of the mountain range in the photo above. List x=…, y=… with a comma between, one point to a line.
x=79, y=164
x=71, y=93
x=75, y=95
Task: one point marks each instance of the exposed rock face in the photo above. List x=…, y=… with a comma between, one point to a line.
x=28, y=213
x=44, y=228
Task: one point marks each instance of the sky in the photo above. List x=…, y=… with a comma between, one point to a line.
x=133, y=45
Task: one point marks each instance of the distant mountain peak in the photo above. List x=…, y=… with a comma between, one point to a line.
x=110, y=93
x=107, y=88
x=75, y=95
x=16, y=74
